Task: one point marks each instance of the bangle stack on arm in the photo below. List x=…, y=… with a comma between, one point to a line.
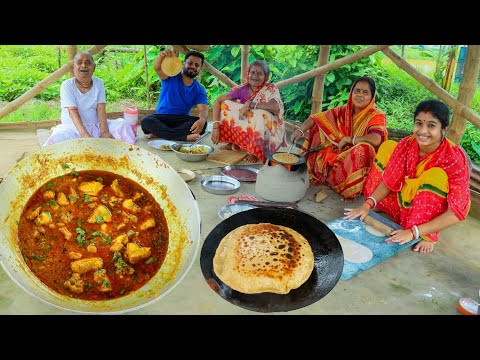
x=370, y=205
x=415, y=232
x=374, y=201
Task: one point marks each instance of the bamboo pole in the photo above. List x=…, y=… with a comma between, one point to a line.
x=29, y=124
x=466, y=91
x=123, y=50
x=319, y=82
x=218, y=74
x=430, y=85
x=245, y=53
x=71, y=51
x=42, y=85
x=334, y=65
x=59, y=55
x=146, y=75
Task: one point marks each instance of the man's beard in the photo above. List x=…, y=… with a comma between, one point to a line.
x=187, y=73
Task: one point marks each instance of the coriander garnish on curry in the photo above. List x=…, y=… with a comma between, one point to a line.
x=93, y=235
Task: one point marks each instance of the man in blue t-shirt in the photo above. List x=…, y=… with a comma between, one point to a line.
x=178, y=95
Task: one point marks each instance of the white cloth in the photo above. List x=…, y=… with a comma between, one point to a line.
x=86, y=104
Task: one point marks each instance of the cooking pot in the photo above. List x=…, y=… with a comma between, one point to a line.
x=150, y=171
x=301, y=158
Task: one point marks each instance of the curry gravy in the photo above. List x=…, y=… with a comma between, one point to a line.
x=93, y=235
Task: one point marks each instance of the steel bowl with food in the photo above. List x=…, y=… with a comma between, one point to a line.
x=148, y=170
x=192, y=153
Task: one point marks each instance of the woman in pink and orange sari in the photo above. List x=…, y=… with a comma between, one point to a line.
x=352, y=132
x=422, y=181
x=250, y=116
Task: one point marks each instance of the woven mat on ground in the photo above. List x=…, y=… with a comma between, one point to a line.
x=167, y=156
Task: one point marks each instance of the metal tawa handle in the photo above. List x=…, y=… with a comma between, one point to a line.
x=318, y=148
x=282, y=205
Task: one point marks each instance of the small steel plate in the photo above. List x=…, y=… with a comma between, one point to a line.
x=240, y=172
x=220, y=184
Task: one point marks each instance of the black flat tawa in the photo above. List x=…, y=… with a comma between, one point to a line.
x=327, y=251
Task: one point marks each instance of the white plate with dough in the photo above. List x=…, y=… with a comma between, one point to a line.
x=355, y=252
x=161, y=144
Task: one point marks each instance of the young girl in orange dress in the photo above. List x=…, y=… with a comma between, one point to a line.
x=250, y=116
x=422, y=182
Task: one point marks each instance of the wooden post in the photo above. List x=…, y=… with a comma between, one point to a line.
x=146, y=75
x=71, y=51
x=432, y=86
x=245, y=53
x=319, y=82
x=466, y=91
x=42, y=85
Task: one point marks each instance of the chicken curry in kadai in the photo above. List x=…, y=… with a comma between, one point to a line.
x=93, y=235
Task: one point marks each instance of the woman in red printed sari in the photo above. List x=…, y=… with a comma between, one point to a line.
x=422, y=182
x=354, y=132
x=250, y=116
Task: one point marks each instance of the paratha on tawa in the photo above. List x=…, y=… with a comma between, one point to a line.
x=285, y=158
x=256, y=258
x=171, y=65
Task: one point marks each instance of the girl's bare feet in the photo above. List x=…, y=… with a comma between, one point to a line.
x=152, y=136
x=236, y=147
x=193, y=137
x=250, y=158
x=424, y=247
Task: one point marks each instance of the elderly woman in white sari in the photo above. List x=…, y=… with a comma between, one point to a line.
x=83, y=103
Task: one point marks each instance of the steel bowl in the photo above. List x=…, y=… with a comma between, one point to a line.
x=191, y=157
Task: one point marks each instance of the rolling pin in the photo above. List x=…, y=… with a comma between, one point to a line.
x=377, y=225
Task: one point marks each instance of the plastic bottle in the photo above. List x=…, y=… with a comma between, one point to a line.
x=131, y=117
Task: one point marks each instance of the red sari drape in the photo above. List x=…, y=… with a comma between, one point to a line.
x=343, y=171
x=422, y=188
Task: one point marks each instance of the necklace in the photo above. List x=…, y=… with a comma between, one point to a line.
x=84, y=86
